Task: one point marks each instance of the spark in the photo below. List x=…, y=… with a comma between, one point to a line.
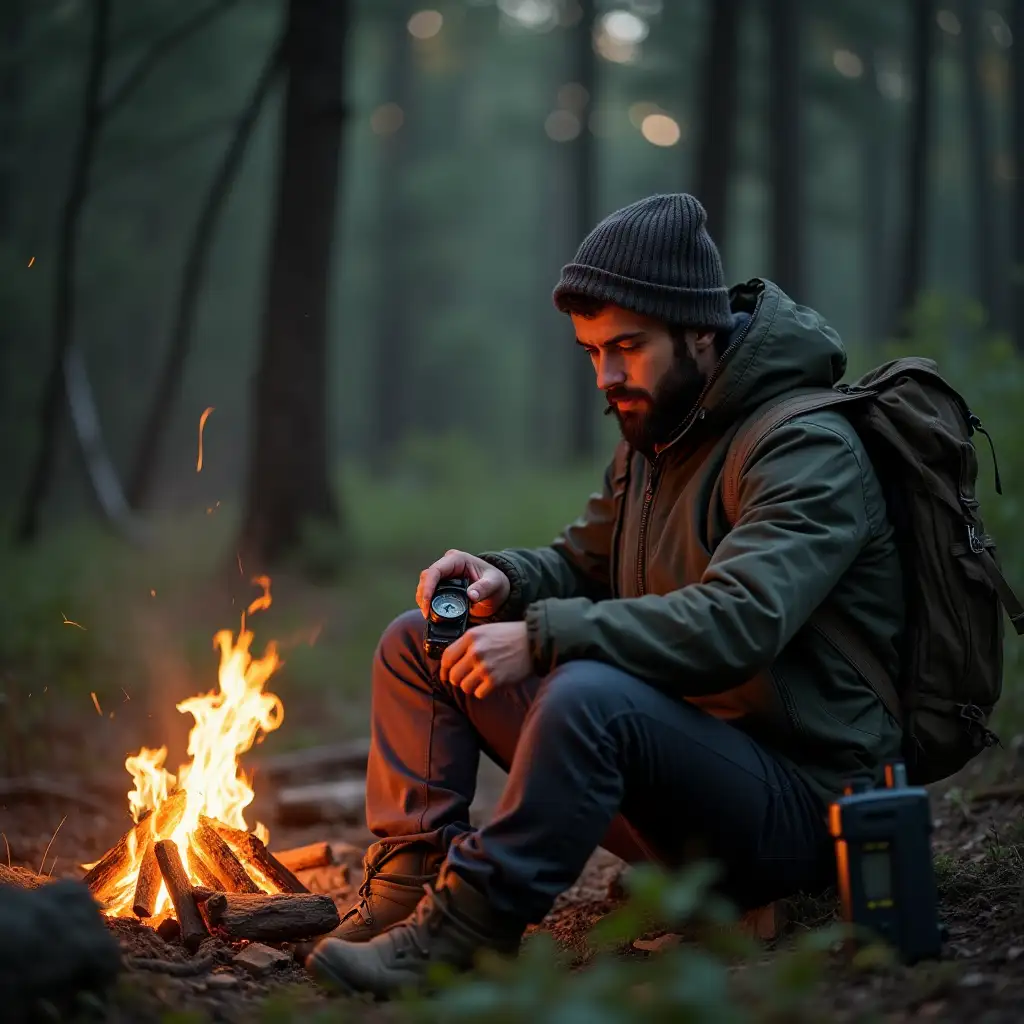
x=49, y=844
x=71, y=622
x=49, y=874
x=315, y=633
x=8, y=845
x=31, y=261
x=96, y=703
x=238, y=558
x=202, y=423
x=125, y=692
x=152, y=593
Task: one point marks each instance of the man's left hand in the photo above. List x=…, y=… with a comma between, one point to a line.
x=486, y=657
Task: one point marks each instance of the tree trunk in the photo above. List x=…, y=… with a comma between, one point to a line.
x=583, y=63
x=1017, y=212
x=13, y=22
x=719, y=86
x=392, y=395
x=289, y=477
x=785, y=144
x=190, y=288
x=874, y=178
x=982, y=185
x=51, y=405
x=912, y=270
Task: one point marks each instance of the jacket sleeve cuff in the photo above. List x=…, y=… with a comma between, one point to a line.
x=552, y=632
x=514, y=605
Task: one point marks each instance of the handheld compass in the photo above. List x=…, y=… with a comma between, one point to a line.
x=448, y=617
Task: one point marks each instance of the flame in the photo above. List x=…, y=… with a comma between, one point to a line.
x=227, y=723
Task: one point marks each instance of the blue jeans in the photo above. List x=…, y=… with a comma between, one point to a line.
x=595, y=757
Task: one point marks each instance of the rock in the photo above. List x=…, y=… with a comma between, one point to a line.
x=221, y=981
x=973, y=979
x=1013, y=952
x=54, y=946
x=659, y=943
x=258, y=959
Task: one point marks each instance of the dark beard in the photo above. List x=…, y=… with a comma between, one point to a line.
x=673, y=399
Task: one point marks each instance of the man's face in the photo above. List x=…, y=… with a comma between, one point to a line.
x=650, y=380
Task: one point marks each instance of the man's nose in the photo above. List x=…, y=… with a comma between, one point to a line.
x=610, y=372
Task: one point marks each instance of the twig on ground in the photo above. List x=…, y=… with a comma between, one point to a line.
x=175, y=968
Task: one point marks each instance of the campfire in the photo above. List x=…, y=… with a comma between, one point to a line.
x=190, y=856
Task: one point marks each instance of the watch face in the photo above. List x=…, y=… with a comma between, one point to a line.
x=449, y=606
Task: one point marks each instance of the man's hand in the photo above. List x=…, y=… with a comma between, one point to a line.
x=486, y=657
x=489, y=586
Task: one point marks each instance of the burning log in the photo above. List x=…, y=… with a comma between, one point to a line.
x=104, y=876
x=278, y=918
x=221, y=861
x=193, y=931
x=147, y=886
x=300, y=858
x=252, y=851
x=199, y=868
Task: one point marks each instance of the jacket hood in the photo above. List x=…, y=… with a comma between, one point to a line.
x=778, y=346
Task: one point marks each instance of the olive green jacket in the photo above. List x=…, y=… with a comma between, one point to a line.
x=652, y=579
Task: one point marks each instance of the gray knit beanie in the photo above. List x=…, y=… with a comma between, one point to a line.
x=656, y=258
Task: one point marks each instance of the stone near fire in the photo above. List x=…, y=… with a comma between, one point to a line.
x=54, y=946
x=258, y=959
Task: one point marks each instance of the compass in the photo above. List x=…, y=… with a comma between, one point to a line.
x=449, y=615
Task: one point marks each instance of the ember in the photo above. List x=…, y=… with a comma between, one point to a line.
x=190, y=840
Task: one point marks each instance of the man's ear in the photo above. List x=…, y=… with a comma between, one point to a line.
x=699, y=344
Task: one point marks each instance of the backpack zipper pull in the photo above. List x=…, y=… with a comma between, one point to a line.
x=975, y=424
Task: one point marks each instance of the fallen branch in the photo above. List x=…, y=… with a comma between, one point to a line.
x=37, y=785
x=175, y=968
x=193, y=930
x=252, y=851
x=279, y=918
x=221, y=861
x=1003, y=791
x=333, y=757
x=343, y=800
x=301, y=858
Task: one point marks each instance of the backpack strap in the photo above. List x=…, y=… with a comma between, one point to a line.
x=824, y=621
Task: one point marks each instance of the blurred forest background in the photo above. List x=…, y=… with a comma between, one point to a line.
x=337, y=224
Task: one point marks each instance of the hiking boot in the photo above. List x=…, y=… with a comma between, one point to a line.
x=450, y=925
x=394, y=876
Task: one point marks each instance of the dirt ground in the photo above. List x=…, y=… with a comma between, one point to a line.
x=980, y=978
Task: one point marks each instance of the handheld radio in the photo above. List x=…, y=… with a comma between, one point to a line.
x=884, y=863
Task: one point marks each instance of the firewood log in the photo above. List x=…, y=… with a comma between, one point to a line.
x=147, y=886
x=193, y=930
x=221, y=861
x=250, y=849
x=104, y=876
x=278, y=918
x=202, y=870
x=300, y=858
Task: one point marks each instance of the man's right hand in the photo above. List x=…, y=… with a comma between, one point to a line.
x=489, y=587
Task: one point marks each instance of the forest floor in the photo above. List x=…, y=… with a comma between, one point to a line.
x=979, y=847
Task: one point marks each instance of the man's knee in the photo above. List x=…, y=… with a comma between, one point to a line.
x=402, y=638
x=584, y=690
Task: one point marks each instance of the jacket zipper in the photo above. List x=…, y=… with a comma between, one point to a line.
x=696, y=413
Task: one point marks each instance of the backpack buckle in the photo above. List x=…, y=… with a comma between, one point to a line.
x=977, y=545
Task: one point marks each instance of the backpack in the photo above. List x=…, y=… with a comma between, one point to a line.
x=917, y=431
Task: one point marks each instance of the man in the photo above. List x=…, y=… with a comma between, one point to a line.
x=647, y=680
